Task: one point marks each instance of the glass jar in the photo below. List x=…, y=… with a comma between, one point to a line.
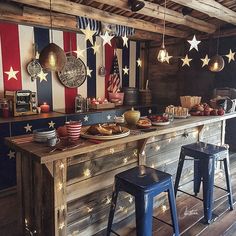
x=4, y=108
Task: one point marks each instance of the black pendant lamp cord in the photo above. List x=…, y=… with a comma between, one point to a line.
x=51, y=20
x=218, y=42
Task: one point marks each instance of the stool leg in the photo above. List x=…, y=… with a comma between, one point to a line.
x=228, y=182
x=173, y=210
x=112, y=208
x=197, y=176
x=208, y=184
x=143, y=210
x=179, y=170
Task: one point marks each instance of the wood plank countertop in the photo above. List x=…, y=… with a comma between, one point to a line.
x=43, y=155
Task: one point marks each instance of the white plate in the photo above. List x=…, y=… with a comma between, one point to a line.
x=125, y=133
x=161, y=123
x=182, y=117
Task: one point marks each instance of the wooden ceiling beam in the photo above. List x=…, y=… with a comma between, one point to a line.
x=157, y=11
x=211, y=8
x=76, y=9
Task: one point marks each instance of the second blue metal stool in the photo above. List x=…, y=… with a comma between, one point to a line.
x=205, y=155
x=144, y=184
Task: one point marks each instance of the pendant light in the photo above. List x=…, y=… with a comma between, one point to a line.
x=163, y=54
x=136, y=5
x=217, y=62
x=52, y=57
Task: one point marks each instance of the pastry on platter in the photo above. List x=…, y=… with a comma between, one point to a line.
x=106, y=129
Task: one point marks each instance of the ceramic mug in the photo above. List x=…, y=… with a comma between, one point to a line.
x=51, y=142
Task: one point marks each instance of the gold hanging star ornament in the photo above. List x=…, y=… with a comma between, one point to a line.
x=194, y=43
x=139, y=62
x=186, y=60
x=126, y=70
x=11, y=154
x=167, y=59
x=79, y=52
x=125, y=41
x=95, y=48
x=106, y=38
x=205, y=60
x=11, y=73
x=89, y=72
x=230, y=56
x=42, y=76
x=88, y=34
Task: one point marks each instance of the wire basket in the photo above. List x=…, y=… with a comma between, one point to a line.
x=189, y=101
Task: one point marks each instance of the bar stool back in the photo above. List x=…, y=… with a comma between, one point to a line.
x=144, y=184
x=204, y=156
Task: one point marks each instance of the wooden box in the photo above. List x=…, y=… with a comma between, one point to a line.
x=102, y=106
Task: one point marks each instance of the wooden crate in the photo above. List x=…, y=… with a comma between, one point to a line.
x=102, y=106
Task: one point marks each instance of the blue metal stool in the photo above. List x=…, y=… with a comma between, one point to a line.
x=144, y=184
x=204, y=156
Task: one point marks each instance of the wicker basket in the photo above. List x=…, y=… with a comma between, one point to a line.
x=190, y=101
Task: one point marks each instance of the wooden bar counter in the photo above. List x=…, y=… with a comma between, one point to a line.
x=69, y=192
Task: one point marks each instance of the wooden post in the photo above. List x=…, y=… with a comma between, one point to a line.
x=60, y=208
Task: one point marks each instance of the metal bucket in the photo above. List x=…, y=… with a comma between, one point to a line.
x=130, y=96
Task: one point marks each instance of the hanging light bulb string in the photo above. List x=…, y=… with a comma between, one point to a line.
x=218, y=42
x=51, y=20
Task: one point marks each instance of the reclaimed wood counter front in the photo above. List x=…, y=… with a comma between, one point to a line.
x=69, y=192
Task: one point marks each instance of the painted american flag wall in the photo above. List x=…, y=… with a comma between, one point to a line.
x=16, y=51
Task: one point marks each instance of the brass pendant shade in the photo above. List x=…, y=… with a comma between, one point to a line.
x=136, y=5
x=52, y=58
x=216, y=63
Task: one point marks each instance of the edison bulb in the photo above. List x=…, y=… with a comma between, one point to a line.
x=216, y=63
x=162, y=55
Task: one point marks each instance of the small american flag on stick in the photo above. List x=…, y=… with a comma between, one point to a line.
x=114, y=78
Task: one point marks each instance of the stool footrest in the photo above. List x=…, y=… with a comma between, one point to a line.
x=190, y=194
x=220, y=188
x=221, y=197
x=162, y=221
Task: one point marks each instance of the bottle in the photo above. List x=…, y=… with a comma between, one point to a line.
x=79, y=103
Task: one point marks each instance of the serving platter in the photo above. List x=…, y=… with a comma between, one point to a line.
x=125, y=133
x=182, y=117
x=160, y=123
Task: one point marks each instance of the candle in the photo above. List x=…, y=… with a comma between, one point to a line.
x=45, y=107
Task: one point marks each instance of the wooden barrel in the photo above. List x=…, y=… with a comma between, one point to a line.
x=145, y=97
x=130, y=96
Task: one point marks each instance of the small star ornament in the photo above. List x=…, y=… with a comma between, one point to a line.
x=11, y=154
x=186, y=61
x=88, y=34
x=125, y=41
x=139, y=62
x=79, y=52
x=89, y=72
x=11, y=73
x=126, y=70
x=230, y=56
x=86, y=118
x=108, y=117
x=95, y=48
x=194, y=43
x=107, y=38
x=42, y=76
x=167, y=59
x=51, y=124
x=205, y=61
x=28, y=128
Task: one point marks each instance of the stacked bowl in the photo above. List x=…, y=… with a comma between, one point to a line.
x=73, y=130
x=42, y=135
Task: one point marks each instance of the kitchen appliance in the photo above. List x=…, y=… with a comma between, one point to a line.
x=22, y=102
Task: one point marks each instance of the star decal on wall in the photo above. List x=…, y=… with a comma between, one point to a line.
x=11, y=73
x=230, y=56
x=11, y=154
x=150, y=111
x=51, y=124
x=194, y=43
x=167, y=59
x=88, y=33
x=86, y=118
x=139, y=61
x=205, y=60
x=89, y=72
x=108, y=117
x=125, y=41
x=186, y=60
x=28, y=128
x=79, y=52
x=126, y=70
x=42, y=76
x=95, y=48
x=106, y=38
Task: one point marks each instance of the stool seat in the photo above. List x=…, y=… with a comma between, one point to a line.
x=201, y=149
x=204, y=156
x=144, y=178
x=144, y=183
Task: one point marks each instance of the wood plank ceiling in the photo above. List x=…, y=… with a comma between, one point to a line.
x=203, y=16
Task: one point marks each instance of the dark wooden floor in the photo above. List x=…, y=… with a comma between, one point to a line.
x=189, y=212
